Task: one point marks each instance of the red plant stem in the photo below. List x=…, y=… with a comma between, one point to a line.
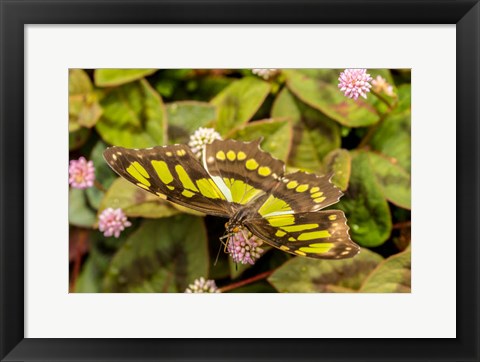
x=246, y=281
x=76, y=270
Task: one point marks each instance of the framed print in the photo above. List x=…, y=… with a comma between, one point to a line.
x=316, y=184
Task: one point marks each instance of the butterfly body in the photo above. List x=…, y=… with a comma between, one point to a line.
x=239, y=181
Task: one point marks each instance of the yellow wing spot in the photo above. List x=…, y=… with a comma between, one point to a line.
x=317, y=248
x=320, y=234
x=316, y=195
x=273, y=204
x=302, y=188
x=161, y=168
x=280, y=233
x=320, y=199
x=300, y=227
x=169, y=154
x=143, y=186
x=181, y=152
x=251, y=164
x=119, y=153
x=162, y=196
x=241, y=156
x=187, y=193
x=332, y=217
x=292, y=184
x=300, y=253
x=344, y=253
x=282, y=220
x=264, y=171
x=171, y=187
x=284, y=248
x=220, y=156
x=139, y=173
x=209, y=189
x=185, y=179
x=114, y=156
x=231, y=155
x=314, y=189
x=292, y=239
x=241, y=192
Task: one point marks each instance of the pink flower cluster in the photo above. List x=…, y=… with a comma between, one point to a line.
x=244, y=251
x=354, y=83
x=380, y=85
x=202, y=285
x=81, y=173
x=112, y=222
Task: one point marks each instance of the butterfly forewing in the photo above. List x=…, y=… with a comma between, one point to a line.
x=172, y=173
x=322, y=234
x=305, y=192
x=242, y=169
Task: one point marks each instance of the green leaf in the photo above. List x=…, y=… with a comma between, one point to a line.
x=103, y=175
x=89, y=280
x=392, y=138
x=78, y=138
x=393, y=275
x=322, y=94
x=404, y=94
x=237, y=103
x=276, y=133
x=79, y=213
x=314, y=135
x=83, y=107
x=134, y=117
x=114, y=77
x=261, y=286
x=367, y=211
x=394, y=180
x=339, y=163
x=209, y=87
x=135, y=202
x=186, y=117
x=307, y=275
x=163, y=255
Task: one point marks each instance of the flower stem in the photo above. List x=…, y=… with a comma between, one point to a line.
x=246, y=281
x=382, y=98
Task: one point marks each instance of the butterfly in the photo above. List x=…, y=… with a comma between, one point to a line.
x=239, y=181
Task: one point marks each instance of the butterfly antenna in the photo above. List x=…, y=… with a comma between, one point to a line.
x=218, y=255
x=225, y=235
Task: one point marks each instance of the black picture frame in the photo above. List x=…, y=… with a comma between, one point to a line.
x=16, y=14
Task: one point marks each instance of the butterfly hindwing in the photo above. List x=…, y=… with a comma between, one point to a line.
x=322, y=234
x=172, y=173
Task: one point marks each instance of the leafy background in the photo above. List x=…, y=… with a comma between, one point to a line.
x=305, y=121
